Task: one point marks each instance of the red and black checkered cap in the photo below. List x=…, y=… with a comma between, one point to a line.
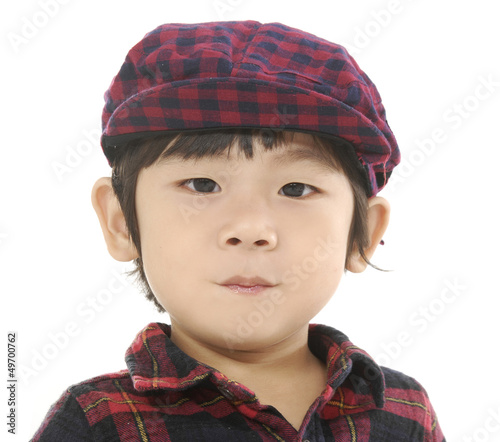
x=246, y=74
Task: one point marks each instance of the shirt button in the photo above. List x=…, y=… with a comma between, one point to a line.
x=227, y=393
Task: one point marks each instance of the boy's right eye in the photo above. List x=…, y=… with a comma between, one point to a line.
x=202, y=185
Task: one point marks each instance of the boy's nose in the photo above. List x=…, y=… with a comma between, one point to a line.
x=249, y=222
x=260, y=243
x=248, y=236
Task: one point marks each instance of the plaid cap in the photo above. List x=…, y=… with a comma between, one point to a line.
x=246, y=74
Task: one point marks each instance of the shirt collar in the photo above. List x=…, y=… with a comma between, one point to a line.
x=155, y=362
x=347, y=362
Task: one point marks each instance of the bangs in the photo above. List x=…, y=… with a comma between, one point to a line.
x=217, y=144
x=210, y=144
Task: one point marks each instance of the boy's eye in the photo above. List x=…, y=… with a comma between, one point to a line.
x=202, y=185
x=206, y=185
x=296, y=189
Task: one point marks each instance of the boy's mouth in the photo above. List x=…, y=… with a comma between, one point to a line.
x=242, y=284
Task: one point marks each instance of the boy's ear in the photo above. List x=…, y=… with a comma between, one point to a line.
x=112, y=221
x=378, y=220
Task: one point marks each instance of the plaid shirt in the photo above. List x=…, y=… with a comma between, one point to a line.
x=165, y=395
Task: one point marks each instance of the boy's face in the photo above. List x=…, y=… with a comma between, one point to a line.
x=204, y=222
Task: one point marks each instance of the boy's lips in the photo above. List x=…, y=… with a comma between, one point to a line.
x=241, y=284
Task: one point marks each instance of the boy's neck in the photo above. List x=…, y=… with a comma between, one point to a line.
x=285, y=375
x=290, y=355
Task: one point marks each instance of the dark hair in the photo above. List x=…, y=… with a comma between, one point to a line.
x=141, y=153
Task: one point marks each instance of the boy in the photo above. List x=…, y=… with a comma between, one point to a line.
x=246, y=162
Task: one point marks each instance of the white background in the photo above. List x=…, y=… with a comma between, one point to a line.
x=428, y=60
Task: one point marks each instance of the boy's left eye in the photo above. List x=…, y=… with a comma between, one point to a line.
x=296, y=189
x=206, y=185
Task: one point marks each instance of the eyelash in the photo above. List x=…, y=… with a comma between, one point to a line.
x=185, y=183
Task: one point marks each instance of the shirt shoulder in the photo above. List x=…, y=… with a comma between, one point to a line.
x=65, y=420
x=406, y=398
x=70, y=417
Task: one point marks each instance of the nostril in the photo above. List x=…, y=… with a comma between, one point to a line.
x=233, y=241
x=261, y=242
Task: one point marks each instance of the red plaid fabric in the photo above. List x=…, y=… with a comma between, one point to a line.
x=246, y=74
x=165, y=395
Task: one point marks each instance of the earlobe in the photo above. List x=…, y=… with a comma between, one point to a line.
x=378, y=219
x=112, y=221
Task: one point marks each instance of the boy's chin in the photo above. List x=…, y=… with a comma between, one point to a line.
x=248, y=340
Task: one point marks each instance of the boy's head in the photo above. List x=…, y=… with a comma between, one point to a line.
x=242, y=151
